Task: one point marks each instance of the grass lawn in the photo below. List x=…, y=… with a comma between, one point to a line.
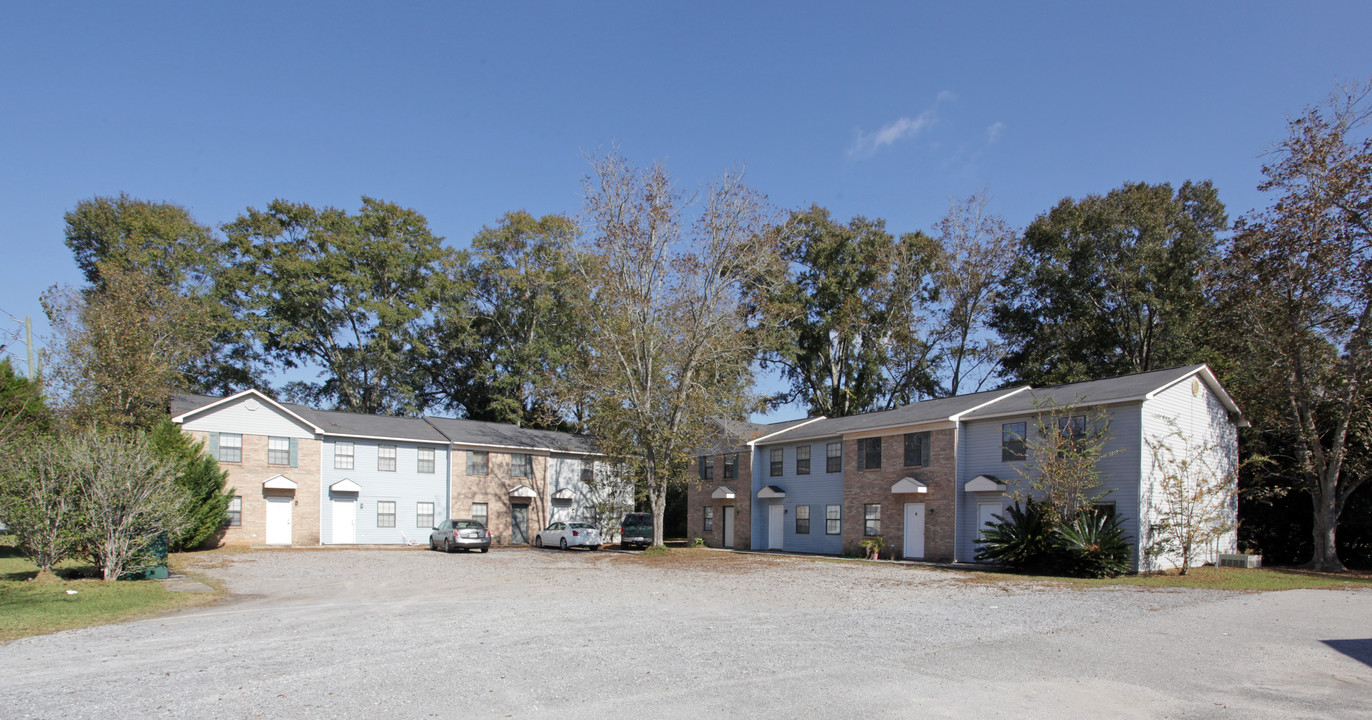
x=36, y=608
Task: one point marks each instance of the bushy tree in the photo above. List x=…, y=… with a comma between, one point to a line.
x=1063, y=451
x=42, y=501
x=200, y=479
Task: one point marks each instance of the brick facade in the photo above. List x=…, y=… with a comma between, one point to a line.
x=494, y=488
x=862, y=487
x=246, y=478
x=698, y=498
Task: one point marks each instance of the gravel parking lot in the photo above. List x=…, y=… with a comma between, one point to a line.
x=528, y=633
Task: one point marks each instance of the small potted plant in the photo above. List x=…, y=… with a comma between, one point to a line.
x=873, y=546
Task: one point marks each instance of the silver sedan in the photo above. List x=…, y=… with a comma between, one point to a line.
x=465, y=534
x=567, y=535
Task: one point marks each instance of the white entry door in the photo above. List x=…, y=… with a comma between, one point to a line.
x=984, y=513
x=344, y=520
x=728, y=526
x=278, y=521
x=914, y=530
x=776, y=525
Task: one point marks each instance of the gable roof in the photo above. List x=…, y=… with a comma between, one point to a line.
x=196, y=404
x=924, y=412
x=480, y=432
x=1125, y=388
x=372, y=426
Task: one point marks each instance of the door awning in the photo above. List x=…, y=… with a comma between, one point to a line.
x=280, y=482
x=563, y=494
x=345, y=485
x=722, y=493
x=523, y=491
x=985, y=483
x=909, y=485
x=771, y=492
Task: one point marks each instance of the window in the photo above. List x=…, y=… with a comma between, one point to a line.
x=521, y=465
x=278, y=451
x=1073, y=431
x=230, y=447
x=1012, y=441
x=426, y=460
x=385, y=459
x=802, y=519
x=478, y=462
x=343, y=456
x=833, y=516
x=869, y=453
x=1105, y=508
x=871, y=520
x=731, y=466
x=235, y=512
x=803, y=460
x=385, y=513
x=707, y=467
x=917, y=449
x=587, y=472
x=709, y=519
x=778, y=455
x=479, y=513
x=833, y=457
x=424, y=515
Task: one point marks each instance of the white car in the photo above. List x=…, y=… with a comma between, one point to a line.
x=567, y=535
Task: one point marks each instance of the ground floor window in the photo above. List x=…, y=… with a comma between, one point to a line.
x=235, y=512
x=802, y=519
x=709, y=519
x=424, y=515
x=385, y=514
x=479, y=513
x=833, y=517
x=871, y=515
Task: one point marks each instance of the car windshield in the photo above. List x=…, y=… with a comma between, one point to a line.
x=468, y=525
x=581, y=526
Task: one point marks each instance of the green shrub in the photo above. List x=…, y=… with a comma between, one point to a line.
x=698, y=543
x=1022, y=538
x=1093, y=545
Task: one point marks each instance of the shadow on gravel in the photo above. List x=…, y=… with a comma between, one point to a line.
x=1360, y=650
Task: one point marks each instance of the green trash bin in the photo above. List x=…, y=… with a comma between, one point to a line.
x=158, y=550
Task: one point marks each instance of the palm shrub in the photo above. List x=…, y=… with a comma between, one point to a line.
x=1022, y=538
x=1092, y=545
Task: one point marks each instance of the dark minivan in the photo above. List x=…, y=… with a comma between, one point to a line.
x=636, y=529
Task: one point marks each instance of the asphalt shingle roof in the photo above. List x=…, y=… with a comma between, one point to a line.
x=478, y=432
x=913, y=414
x=1091, y=392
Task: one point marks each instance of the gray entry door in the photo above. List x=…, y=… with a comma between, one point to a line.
x=519, y=525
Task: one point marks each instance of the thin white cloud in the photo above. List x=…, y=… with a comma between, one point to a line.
x=994, y=132
x=867, y=144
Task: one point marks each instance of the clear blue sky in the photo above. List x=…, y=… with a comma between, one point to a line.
x=465, y=112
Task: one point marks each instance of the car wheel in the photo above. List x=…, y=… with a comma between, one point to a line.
x=564, y=543
x=594, y=547
x=538, y=541
x=447, y=545
x=485, y=550
x=432, y=546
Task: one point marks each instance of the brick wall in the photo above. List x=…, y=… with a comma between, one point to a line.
x=246, y=480
x=494, y=490
x=698, y=498
x=861, y=487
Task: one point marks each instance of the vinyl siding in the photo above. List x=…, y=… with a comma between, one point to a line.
x=234, y=417
x=817, y=490
x=406, y=487
x=979, y=450
x=1202, y=419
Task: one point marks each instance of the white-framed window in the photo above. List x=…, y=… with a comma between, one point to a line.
x=424, y=515
x=778, y=462
x=833, y=457
x=833, y=519
x=871, y=519
x=385, y=460
x=230, y=447
x=730, y=466
x=707, y=467
x=802, y=519
x=1012, y=442
x=479, y=514
x=385, y=513
x=343, y=456
x=521, y=465
x=709, y=519
x=278, y=451
x=426, y=460
x=478, y=462
x=803, y=460
x=235, y=512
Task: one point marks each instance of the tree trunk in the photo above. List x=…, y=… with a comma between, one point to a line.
x=658, y=498
x=1326, y=556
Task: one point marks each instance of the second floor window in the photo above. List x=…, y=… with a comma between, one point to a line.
x=803, y=460
x=230, y=447
x=707, y=467
x=521, y=465
x=278, y=451
x=1012, y=442
x=917, y=449
x=478, y=462
x=869, y=453
x=833, y=457
x=730, y=466
x=343, y=456
x=778, y=455
x=385, y=461
x=426, y=460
